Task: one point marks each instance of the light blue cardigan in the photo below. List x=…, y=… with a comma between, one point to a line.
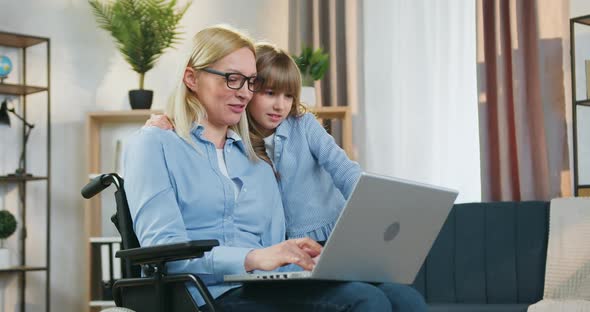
x=316, y=176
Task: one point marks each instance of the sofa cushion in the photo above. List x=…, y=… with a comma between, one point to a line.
x=488, y=253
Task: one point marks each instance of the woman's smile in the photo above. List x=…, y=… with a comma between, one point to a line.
x=237, y=108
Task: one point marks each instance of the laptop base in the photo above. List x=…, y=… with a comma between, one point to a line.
x=273, y=276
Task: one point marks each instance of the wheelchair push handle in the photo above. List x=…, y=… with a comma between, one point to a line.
x=98, y=184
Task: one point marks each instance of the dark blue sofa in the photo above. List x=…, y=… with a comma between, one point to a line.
x=487, y=257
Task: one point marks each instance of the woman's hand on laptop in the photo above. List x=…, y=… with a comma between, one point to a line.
x=299, y=251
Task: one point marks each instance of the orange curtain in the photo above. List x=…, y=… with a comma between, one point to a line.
x=522, y=99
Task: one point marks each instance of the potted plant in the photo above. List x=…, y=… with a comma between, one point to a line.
x=142, y=30
x=7, y=228
x=312, y=65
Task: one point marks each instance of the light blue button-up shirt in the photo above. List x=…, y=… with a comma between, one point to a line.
x=316, y=176
x=176, y=193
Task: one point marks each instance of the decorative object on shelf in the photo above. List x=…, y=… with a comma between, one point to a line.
x=7, y=228
x=5, y=120
x=5, y=67
x=142, y=29
x=312, y=65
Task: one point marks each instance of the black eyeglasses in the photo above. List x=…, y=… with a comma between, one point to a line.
x=236, y=81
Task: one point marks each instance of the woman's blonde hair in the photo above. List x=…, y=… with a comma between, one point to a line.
x=280, y=74
x=209, y=46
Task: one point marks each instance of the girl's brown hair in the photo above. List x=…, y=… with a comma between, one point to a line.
x=280, y=74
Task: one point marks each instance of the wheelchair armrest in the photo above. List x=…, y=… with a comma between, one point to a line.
x=167, y=252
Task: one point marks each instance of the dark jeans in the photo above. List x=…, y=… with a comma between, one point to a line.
x=322, y=296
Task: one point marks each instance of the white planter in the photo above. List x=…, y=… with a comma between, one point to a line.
x=308, y=96
x=5, y=258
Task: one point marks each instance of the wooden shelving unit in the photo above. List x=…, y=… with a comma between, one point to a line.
x=21, y=90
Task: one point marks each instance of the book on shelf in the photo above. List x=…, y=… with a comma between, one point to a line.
x=117, y=161
x=106, y=271
x=119, y=157
x=108, y=267
x=117, y=273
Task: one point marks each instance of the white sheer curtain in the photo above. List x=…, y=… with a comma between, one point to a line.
x=420, y=93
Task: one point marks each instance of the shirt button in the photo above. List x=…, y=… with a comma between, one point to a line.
x=245, y=190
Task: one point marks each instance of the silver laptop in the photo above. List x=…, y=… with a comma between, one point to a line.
x=383, y=233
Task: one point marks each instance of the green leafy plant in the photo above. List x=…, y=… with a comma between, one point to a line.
x=142, y=29
x=312, y=64
x=7, y=225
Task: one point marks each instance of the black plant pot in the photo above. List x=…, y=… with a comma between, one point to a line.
x=141, y=99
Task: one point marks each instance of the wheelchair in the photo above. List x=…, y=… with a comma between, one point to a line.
x=154, y=290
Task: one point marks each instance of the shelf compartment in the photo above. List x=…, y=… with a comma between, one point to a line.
x=18, y=269
x=20, y=41
x=105, y=239
x=102, y=303
x=18, y=89
x=583, y=191
x=136, y=115
x=583, y=102
x=582, y=20
x=15, y=179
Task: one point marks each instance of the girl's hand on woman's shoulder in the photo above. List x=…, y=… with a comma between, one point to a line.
x=160, y=121
x=299, y=251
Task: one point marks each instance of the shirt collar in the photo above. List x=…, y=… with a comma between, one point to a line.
x=231, y=134
x=283, y=128
x=198, y=129
x=269, y=139
x=232, y=137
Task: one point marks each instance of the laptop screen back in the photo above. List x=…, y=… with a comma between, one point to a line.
x=385, y=231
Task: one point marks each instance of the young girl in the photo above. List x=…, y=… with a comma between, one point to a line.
x=314, y=174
